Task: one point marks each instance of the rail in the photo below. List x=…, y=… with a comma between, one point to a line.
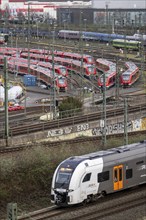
x=42, y=126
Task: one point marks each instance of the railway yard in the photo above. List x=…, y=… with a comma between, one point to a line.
x=102, y=79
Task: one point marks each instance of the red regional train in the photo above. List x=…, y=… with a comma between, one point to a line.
x=110, y=78
x=75, y=56
x=59, y=69
x=43, y=74
x=46, y=76
x=130, y=76
x=103, y=64
x=109, y=69
x=7, y=51
x=74, y=65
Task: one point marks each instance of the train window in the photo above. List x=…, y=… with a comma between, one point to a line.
x=115, y=175
x=104, y=176
x=87, y=177
x=120, y=174
x=129, y=173
x=139, y=162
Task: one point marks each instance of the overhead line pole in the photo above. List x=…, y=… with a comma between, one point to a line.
x=28, y=38
x=125, y=122
x=104, y=111
x=6, y=101
x=54, y=83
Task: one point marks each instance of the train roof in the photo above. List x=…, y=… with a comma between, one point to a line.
x=127, y=41
x=109, y=152
x=104, y=61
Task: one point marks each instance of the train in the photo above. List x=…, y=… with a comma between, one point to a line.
x=72, y=65
x=110, y=77
x=59, y=69
x=76, y=56
x=127, y=44
x=95, y=36
x=43, y=74
x=108, y=69
x=86, y=178
x=46, y=76
x=130, y=76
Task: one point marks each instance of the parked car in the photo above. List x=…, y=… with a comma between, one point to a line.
x=15, y=108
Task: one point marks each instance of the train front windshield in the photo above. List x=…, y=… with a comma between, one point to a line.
x=61, y=81
x=63, y=71
x=126, y=76
x=91, y=69
x=90, y=60
x=63, y=177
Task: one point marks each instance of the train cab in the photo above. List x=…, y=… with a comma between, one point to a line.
x=61, y=83
x=130, y=76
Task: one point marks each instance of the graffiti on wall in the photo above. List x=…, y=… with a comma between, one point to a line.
x=139, y=124
x=136, y=125
x=68, y=130
x=112, y=129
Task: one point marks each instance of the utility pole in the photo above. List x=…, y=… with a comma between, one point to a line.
x=81, y=46
x=6, y=101
x=28, y=38
x=54, y=82
x=117, y=82
x=104, y=112
x=125, y=122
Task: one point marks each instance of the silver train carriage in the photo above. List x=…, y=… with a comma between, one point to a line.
x=85, y=178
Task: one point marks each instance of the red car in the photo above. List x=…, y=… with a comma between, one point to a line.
x=15, y=108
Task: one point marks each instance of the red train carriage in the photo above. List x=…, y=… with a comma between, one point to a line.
x=110, y=77
x=8, y=51
x=46, y=76
x=75, y=56
x=76, y=66
x=17, y=67
x=88, y=69
x=59, y=69
x=86, y=58
x=103, y=64
x=38, y=57
x=85, y=69
x=131, y=75
x=61, y=83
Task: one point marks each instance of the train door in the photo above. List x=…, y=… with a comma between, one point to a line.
x=118, y=177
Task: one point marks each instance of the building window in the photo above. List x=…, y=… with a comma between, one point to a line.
x=87, y=177
x=104, y=176
x=129, y=173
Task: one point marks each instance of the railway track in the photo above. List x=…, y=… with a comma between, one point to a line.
x=110, y=205
x=25, y=129
x=42, y=214
x=111, y=210
x=4, y=150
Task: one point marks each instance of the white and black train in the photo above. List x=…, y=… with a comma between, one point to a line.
x=85, y=178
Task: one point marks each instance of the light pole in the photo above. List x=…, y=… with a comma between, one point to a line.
x=104, y=111
x=118, y=73
x=54, y=82
x=28, y=38
x=125, y=122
